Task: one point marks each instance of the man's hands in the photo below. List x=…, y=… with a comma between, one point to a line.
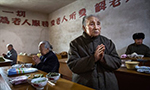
x=99, y=53
x=36, y=59
x=4, y=54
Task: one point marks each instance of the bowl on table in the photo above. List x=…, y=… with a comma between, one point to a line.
x=28, y=65
x=39, y=83
x=131, y=64
x=53, y=76
x=17, y=66
x=139, y=56
x=33, y=76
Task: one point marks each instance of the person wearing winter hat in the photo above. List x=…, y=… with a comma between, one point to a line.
x=138, y=46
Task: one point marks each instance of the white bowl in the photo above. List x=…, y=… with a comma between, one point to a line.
x=131, y=64
x=139, y=56
x=53, y=76
x=17, y=66
x=39, y=83
x=28, y=65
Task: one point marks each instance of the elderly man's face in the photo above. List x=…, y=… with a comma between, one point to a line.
x=43, y=50
x=9, y=48
x=93, y=27
x=138, y=41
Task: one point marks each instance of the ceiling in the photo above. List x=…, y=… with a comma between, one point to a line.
x=43, y=6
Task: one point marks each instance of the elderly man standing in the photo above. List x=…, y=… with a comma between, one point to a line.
x=11, y=54
x=138, y=46
x=93, y=58
x=48, y=62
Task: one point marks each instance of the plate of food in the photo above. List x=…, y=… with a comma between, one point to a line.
x=18, y=80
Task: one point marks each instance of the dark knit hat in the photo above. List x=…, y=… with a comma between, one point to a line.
x=138, y=36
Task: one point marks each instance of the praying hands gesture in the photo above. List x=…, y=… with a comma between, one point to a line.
x=99, y=53
x=36, y=59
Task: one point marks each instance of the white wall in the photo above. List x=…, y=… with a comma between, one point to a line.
x=25, y=38
x=118, y=23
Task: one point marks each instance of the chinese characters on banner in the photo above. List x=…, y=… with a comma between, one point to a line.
x=17, y=21
x=72, y=16
x=82, y=12
x=102, y=5
x=98, y=7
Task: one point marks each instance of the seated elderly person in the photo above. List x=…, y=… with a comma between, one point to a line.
x=138, y=46
x=11, y=54
x=48, y=62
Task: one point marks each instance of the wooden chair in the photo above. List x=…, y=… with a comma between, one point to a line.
x=64, y=54
x=22, y=59
x=64, y=69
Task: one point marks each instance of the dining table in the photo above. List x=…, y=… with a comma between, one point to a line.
x=6, y=62
x=61, y=84
x=134, y=58
x=130, y=79
x=144, y=61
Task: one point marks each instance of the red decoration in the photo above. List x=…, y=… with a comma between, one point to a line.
x=73, y=15
x=58, y=21
x=127, y=1
x=100, y=6
x=45, y=23
x=52, y=22
x=115, y=3
x=35, y=23
x=21, y=13
x=82, y=12
x=8, y=11
x=4, y=20
x=26, y=21
x=64, y=18
x=16, y=21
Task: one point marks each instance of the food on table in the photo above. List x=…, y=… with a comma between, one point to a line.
x=32, y=76
x=53, y=76
x=39, y=83
x=18, y=66
x=18, y=80
x=28, y=65
x=131, y=64
x=1, y=59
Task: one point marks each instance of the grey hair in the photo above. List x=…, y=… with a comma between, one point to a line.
x=46, y=45
x=86, y=17
x=9, y=45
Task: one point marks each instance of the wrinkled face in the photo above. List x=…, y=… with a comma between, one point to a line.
x=93, y=27
x=138, y=41
x=9, y=48
x=43, y=50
